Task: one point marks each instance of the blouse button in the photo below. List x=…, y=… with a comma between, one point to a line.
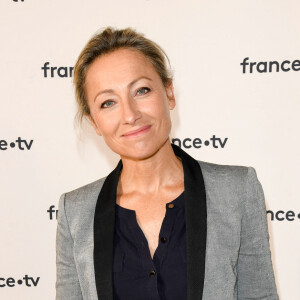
x=171, y=205
x=163, y=239
x=152, y=273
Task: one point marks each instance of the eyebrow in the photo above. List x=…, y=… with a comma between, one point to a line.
x=129, y=85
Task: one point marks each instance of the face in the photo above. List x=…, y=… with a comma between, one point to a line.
x=129, y=105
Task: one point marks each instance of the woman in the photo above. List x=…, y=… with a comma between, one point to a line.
x=161, y=225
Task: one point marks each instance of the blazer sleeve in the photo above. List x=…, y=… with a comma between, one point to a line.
x=255, y=277
x=67, y=283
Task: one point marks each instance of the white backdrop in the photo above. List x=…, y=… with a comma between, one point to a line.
x=255, y=114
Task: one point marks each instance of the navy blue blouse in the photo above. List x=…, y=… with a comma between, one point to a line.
x=136, y=276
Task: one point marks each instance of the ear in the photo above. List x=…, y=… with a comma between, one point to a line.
x=170, y=95
x=94, y=125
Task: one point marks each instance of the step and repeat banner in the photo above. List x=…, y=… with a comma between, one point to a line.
x=236, y=67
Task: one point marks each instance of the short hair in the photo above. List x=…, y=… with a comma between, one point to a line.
x=107, y=41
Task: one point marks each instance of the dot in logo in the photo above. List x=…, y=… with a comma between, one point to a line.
x=12, y=145
x=20, y=281
x=206, y=143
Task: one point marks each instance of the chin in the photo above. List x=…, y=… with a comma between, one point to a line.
x=142, y=150
x=139, y=149
x=139, y=154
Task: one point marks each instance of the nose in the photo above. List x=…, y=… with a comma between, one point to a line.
x=130, y=111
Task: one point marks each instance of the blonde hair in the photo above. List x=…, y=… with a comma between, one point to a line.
x=107, y=41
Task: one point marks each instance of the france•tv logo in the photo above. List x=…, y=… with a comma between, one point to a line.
x=281, y=215
x=11, y=282
x=52, y=212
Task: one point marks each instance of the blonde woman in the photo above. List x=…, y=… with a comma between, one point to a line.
x=161, y=225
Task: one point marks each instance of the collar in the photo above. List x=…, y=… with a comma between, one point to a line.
x=123, y=212
x=196, y=228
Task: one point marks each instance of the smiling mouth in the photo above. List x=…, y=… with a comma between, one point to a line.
x=137, y=132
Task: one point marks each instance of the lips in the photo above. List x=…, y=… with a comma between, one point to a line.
x=137, y=132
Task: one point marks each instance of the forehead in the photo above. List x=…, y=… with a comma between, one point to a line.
x=120, y=65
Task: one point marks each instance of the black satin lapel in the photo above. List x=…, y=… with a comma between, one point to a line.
x=196, y=228
x=196, y=223
x=104, y=222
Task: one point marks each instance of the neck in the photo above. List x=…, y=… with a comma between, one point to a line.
x=159, y=172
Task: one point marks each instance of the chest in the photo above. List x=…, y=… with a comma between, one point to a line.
x=132, y=257
x=149, y=218
x=149, y=214
x=150, y=221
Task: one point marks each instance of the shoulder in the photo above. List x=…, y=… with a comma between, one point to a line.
x=81, y=202
x=86, y=191
x=225, y=172
x=229, y=181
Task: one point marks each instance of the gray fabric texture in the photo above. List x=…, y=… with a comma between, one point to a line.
x=238, y=259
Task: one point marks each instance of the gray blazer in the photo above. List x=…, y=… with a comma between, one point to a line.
x=228, y=253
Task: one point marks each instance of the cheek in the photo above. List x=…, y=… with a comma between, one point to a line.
x=156, y=107
x=107, y=125
x=163, y=112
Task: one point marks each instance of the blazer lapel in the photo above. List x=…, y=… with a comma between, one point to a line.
x=104, y=223
x=196, y=223
x=196, y=228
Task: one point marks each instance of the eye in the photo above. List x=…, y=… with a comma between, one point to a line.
x=107, y=103
x=143, y=91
